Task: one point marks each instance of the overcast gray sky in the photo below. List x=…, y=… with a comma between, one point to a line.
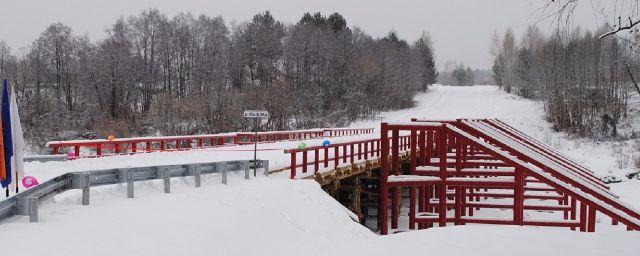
x=461, y=30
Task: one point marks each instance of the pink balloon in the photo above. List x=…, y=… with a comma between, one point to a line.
x=29, y=181
x=71, y=155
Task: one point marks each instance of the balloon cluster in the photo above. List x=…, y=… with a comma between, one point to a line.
x=71, y=155
x=302, y=145
x=326, y=143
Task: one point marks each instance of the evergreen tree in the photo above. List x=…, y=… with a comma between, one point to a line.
x=498, y=71
x=429, y=71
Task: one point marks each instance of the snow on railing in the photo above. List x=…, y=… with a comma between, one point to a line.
x=103, y=147
x=332, y=154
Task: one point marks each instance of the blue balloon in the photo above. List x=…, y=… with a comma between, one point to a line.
x=326, y=143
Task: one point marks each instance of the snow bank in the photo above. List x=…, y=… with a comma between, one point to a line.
x=263, y=216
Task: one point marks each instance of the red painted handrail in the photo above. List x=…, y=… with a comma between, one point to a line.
x=335, y=153
x=168, y=143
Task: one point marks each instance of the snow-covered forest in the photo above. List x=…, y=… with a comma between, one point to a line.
x=585, y=80
x=191, y=74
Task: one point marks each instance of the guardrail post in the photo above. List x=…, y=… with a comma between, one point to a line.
x=32, y=204
x=265, y=166
x=246, y=170
x=195, y=170
x=86, y=185
x=129, y=178
x=222, y=166
x=165, y=173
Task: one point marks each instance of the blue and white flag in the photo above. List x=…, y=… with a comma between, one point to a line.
x=6, y=134
x=14, y=165
x=17, y=162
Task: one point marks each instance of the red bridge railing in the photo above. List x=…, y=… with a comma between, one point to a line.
x=333, y=154
x=168, y=143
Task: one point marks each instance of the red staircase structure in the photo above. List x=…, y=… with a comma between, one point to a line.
x=104, y=147
x=456, y=165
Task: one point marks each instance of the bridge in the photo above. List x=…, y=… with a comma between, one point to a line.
x=444, y=171
x=453, y=171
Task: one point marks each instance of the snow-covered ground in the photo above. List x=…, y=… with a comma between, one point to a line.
x=263, y=216
x=274, y=215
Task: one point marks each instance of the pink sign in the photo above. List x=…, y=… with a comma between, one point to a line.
x=29, y=181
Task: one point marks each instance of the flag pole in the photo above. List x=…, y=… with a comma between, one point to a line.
x=7, y=146
x=3, y=174
x=16, y=178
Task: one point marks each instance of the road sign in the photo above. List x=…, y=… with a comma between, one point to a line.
x=256, y=114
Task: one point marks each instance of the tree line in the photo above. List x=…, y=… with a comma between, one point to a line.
x=584, y=80
x=154, y=74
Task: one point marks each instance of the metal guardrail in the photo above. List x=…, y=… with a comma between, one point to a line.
x=45, y=158
x=26, y=203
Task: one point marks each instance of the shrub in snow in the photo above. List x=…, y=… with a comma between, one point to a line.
x=610, y=179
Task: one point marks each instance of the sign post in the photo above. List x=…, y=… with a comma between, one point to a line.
x=255, y=115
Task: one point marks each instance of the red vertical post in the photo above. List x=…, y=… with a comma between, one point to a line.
x=116, y=148
x=412, y=191
x=56, y=150
x=162, y=145
x=565, y=201
x=421, y=144
x=442, y=189
x=326, y=157
x=366, y=150
x=148, y=146
x=344, y=153
x=422, y=197
x=518, y=197
x=316, y=162
x=359, y=150
x=375, y=148
x=293, y=164
x=583, y=217
x=384, y=175
x=304, y=161
x=77, y=151
x=395, y=167
x=429, y=195
x=591, y=219
x=457, y=205
x=99, y=149
x=429, y=147
x=134, y=147
x=200, y=143
x=178, y=144
x=457, y=190
x=573, y=210
x=458, y=153
x=336, y=156
x=395, y=152
x=351, y=153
